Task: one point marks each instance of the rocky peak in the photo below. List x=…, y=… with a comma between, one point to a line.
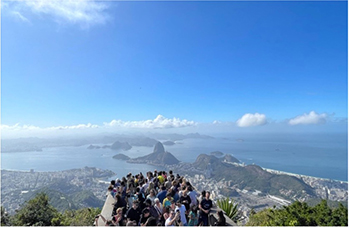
x=158, y=148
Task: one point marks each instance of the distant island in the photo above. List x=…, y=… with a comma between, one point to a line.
x=168, y=143
x=121, y=157
x=31, y=144
x=121, y=146
x=91, y=147
x=158, y=157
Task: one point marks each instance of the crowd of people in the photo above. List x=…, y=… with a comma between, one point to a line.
x=159, y=199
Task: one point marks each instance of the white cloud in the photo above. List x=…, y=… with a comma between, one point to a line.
x=20, y=16
x=159, y=122
x=79, y=126
x=18, y=127
x=249, y=120
x=216, y=122
x=82, y=12
x=311, y=118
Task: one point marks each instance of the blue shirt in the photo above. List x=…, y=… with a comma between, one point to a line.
x=161, y=195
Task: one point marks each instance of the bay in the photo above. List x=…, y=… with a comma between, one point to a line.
x=318, y=155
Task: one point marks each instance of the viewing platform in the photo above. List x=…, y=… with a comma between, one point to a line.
x=107, y=211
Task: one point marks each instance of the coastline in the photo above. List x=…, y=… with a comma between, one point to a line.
x=300, y=176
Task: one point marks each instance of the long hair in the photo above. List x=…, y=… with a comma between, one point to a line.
x=222, y=219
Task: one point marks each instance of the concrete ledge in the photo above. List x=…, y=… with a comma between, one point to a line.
x=107, y=210
x=215, y=209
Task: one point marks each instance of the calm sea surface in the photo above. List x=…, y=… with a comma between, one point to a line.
x=319, y=155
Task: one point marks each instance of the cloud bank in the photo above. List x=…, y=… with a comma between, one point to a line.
x=159, y=122
x=249, y=120
x=82, y=12
x=311, y=118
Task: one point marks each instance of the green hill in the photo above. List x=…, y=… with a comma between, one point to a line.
x=253, y=177
x=64, y=196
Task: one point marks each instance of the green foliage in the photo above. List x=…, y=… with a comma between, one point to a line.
x=5, y=218
x=332, y=204
x=35, y=212
x=254, y=177
x=81, y=217
x=57, y=199
x=39, y=212
x=229, y=207
x=84, y=198
x=64, y=196
x=300, y=214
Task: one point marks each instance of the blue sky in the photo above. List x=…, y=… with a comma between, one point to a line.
x=85, y=64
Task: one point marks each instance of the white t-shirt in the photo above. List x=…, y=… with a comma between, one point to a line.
x=182, y=210
x=167, y=222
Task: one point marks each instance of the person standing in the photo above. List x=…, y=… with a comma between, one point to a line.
x=162, y=194
x=205, y=206
x=182, y=210
x=171, y=221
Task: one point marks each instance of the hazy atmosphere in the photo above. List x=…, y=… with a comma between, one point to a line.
x=104, y=103
x=80, y=67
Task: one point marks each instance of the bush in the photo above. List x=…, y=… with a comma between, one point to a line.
x=35, y=212
x=300, y=214
x=230, y=208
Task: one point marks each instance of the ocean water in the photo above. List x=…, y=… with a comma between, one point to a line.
x=319, y=155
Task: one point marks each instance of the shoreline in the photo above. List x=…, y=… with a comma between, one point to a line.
x=300, y=175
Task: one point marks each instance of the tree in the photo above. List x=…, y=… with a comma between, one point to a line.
x=300, y=214
x=81, y=217
x=35, y=212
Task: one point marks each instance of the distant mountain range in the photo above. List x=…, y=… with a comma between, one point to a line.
x=37, y=144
